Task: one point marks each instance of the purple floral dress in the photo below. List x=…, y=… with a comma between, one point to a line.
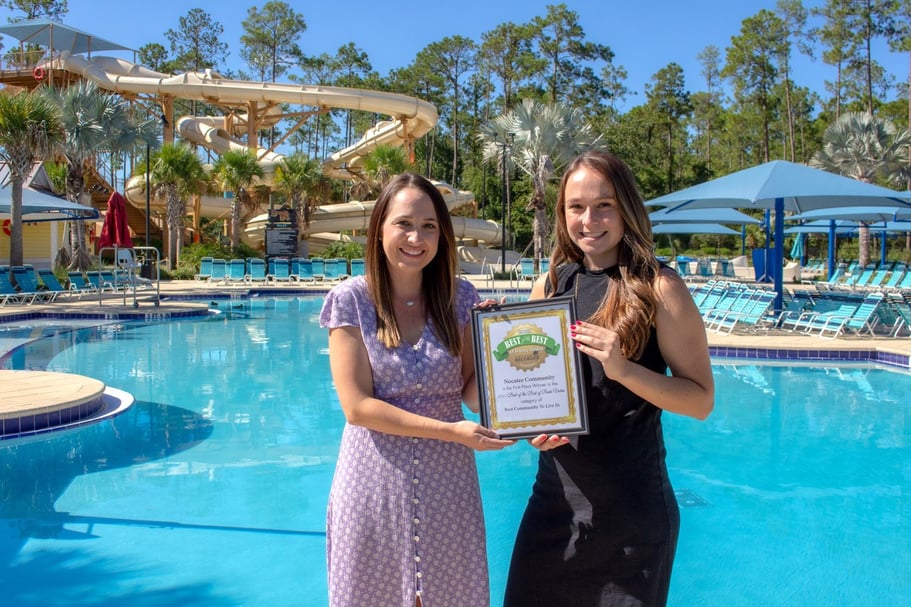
x=404, y=513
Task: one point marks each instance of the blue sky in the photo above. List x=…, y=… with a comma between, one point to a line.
x=645, y=35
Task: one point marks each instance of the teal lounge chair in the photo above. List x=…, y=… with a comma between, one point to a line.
x=256, y=270
x=219, y=270
x=27, y=283
x=50, y=282
x=205, y=269
x=319, y=268
x=9, y=294
x=301, y=269
x=279, y=269
x=357, y=267
x=236, y=271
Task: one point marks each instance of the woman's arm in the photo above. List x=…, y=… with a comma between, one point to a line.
x=353, y=379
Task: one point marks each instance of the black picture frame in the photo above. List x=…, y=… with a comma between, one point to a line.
x=528, y=368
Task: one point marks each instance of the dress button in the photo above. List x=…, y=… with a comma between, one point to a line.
x=417, y=521
x=416, y=501
x=415, y=440
x=417, y=559
x=419, y=575
x=417, y=539
x=419, y=386
x=415, y=481
x=416, y=462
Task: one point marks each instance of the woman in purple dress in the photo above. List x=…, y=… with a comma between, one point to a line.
x=404, y=524
x=600, y=528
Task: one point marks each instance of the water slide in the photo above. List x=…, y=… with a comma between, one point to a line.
x=409, y=119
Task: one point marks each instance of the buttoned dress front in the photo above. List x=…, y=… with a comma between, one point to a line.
x=404, y=514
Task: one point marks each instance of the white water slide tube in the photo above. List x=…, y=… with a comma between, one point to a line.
x=410, y=118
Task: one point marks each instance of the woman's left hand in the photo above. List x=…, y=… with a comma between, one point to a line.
x=601, y=344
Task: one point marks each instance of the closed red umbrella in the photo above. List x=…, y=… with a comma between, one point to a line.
x=115, y=231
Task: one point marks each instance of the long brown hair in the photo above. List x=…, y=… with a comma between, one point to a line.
x=439, y=276
x=628, y=307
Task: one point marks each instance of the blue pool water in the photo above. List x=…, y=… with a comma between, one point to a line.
x=211, y=489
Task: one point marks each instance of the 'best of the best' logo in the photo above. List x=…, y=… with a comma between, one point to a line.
x=525, y=347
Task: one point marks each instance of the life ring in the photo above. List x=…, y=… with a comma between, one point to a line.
x=6, y=229
x=39, y=73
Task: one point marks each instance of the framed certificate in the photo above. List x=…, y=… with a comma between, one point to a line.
x=527, y=368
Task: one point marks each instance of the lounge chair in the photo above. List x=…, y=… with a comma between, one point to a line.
x=101, y=280
x=79, y=284
x=330, y=270
x=341, y=268
x=357, y=267
x=279, y=270
x=301, y=269
x=895, y=277
x=27, y=283
x=236, y=271
x=852, y=315
x=256, y=270
x=319, y=268
x=753, y=314
x=219, y=270
x=50, y=282
x=525, y=269
x=205, y=269
x=9, y=294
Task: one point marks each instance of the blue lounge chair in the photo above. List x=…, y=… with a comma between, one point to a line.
x=545, y=265
x=9, y=294
x=357, y=267
x=50, y=282
x=219, y=270
x=27, y=284
x=319, y=268
x=256, y=270
x=525, y=269
x=205, y=269
x=101, y=281
x=79, y=284
x=341, y=268
x=301, y=269
x=236, y=271
x=279, y=269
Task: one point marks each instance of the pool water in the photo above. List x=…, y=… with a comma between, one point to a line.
x=211, y=490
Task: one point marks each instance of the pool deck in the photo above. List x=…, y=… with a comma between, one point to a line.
x=31, y=392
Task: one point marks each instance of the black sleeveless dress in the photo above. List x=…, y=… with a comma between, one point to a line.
x=600, y=528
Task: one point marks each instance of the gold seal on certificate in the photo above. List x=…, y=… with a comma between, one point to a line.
x=528, y=370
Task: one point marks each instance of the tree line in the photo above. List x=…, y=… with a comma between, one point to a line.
x=747, y=109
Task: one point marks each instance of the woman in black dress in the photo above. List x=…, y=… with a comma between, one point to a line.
x=600, y=528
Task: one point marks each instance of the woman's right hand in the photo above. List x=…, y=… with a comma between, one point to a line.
x=478, y=437
x=542, y=442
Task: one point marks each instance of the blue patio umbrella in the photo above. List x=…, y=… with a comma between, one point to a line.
x=884, y=219
x=782, y=186
x=693, y=228
x=705, y=216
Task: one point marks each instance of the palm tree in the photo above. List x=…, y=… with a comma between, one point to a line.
x=539, y=139
x=177, y=173
x=303, y=181
x=866, y=148
x=29, y=127
x=94, y=122
x=235, y=171
x=380, y=165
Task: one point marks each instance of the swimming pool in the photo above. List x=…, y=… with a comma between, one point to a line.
x=211, y=489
